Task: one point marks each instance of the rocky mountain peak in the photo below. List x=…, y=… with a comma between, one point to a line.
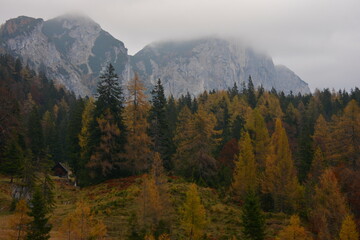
x=19, y=25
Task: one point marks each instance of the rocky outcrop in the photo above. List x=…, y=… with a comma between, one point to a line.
x=69, y=49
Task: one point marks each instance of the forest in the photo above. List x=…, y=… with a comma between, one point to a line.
x=242, y=163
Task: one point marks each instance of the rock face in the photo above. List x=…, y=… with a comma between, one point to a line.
x=69, y=49
x=72, y=50
x=211, y=63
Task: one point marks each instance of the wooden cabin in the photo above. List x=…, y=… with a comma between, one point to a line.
x=60, y=170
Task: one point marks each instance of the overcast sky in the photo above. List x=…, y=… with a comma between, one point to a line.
x=318, y=39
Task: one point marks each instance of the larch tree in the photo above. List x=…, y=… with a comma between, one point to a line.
x=138, y=147
x=346, y=137
x=318, y=165
x=195, y=145
x=245, y=173
x=322, y=137
x=348, y=229
x=260, y=136
x=329, y=207
x=280, y=178
x=193, y=214
x=294, y=231
x=85, y=138
x=81, y=224
x=20, y=220
x=150, y=203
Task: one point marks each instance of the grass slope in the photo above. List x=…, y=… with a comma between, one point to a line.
x=114, y=201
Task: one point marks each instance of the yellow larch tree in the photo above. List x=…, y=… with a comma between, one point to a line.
x=245, y=173
x=329, y=207
x=150, y=203
x=348, y=229
x=294, y=231
x=193, y=214
x=345, y=147
x=256, y=125
x=20, y=220
x=195, y=141
x=81, y=224
x=280, y=178
x=85, y=133
x=138, y=146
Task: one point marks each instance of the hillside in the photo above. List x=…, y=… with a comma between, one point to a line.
x=115, y=201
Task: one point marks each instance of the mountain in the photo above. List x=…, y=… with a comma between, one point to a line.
x=73, y=49
x=211, y=63
x=70, y=49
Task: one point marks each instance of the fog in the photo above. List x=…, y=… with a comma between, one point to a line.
x=319, y=40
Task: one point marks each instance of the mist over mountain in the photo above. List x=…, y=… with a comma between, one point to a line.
x=73, y=49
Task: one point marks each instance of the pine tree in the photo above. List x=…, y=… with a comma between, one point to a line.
x=329, y=207
x=294, y=231
x=280, y=177
x=253, y=221
x=193, y=215
x=245, y=174
x=39, y=227
x=138, y=147
x=348, y=229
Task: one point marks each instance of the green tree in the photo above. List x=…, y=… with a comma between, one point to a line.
x=253, y=221
x=12, y=159
x=251, y=95
x=39, y=227
x=158, y=127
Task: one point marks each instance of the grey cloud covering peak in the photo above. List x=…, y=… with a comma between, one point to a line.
x=319, y=40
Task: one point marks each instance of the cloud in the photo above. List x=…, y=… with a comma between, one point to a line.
x=319, y=40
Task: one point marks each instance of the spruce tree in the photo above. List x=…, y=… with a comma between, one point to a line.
x=39, y=227
x=159, y=130
x=251, y=96
x=253, y=221
x=110, y=96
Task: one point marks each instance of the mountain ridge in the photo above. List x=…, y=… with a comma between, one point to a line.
x=73, y=49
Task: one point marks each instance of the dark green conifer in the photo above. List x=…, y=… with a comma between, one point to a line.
x=253, y=221
x=39, y=227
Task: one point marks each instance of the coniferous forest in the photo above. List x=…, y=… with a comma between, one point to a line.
x=242, y=163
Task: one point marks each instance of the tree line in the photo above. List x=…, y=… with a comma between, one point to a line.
x=271, y=152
